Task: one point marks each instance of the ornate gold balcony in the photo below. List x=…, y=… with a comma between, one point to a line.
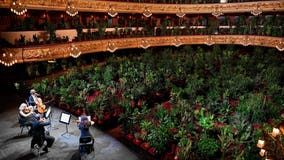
x=123, y=7
x=48, y=52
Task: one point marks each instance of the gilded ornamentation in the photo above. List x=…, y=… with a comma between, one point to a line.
x=47, y=52
x=124, y=7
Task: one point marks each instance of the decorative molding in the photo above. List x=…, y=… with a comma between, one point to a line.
x=124, y=7
x=48, y=52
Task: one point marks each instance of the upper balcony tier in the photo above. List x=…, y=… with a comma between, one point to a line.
x=115, y=8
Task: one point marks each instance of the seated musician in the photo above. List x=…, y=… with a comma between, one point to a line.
x=36, y=101
x=26, y=114
x=84, y=124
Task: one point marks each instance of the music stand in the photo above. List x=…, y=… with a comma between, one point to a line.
x=48, y=113
x=65, y=118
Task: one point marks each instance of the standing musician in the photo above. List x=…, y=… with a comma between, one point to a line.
x=36, y=101
x=41, y=139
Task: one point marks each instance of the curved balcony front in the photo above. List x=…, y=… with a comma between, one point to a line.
x=64, y=50
x=127, y=7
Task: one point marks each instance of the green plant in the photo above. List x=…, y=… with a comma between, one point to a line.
x=207, y=146
x=206, y=121
x=185, y=148
x=50, y=28
x=22, y=40
x=35, y=39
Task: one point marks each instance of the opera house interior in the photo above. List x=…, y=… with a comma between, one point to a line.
x=155, y=79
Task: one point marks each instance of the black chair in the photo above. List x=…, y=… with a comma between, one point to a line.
x=86, y=145
x=23, y=125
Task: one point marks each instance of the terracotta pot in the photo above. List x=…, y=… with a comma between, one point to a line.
x=145, y=146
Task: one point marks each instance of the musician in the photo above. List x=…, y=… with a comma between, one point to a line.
x=40, y=137
x=36, y=101
x=84, y=125
x=33, y=98
x=26, y=114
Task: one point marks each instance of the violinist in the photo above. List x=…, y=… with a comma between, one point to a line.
x=26, y=114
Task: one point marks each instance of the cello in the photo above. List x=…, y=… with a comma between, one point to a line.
x=41, y=108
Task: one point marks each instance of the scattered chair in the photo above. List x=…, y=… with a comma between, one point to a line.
x=86, y=146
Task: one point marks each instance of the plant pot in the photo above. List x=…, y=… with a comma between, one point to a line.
x=137, y=141
x=145, y=146
x=152, y=151
x=129, y=137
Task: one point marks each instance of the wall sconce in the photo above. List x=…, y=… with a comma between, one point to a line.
x=111, y=11
x=17, y=7
x=111, y=47
x=209, y=41
x=147, y=12
x=271, y=144
x=217, y=12
x=280, y=45
x=8, y=59
x=257, y=11
x=180, y=13
x=71, y=10
x=74, y=51
x=144, y=44
x=176, y=42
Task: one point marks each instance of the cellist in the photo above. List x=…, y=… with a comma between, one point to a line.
x=36, y=102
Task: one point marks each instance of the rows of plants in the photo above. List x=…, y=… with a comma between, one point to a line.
x=186, y=103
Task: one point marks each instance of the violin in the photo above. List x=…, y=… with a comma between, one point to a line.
x=26, y=110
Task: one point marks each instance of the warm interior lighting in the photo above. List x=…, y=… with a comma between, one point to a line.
x=111, y=47
x=112, y=12
x=74, y=51
x=275, y=132
x=262, y=152
x=271, y=144
x=17, y=7
x=260, y=143
x=144, y=44
x=51, y=61
x=7, y=59
x=71, y=10
x=180, y=13
x=147, y=12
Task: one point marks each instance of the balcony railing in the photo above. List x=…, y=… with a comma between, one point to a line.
x=64, y=50
x=154, y=8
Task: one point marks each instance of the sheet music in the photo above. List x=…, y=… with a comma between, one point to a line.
x=47, y=114
x=65, y=118
x=89, y=118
